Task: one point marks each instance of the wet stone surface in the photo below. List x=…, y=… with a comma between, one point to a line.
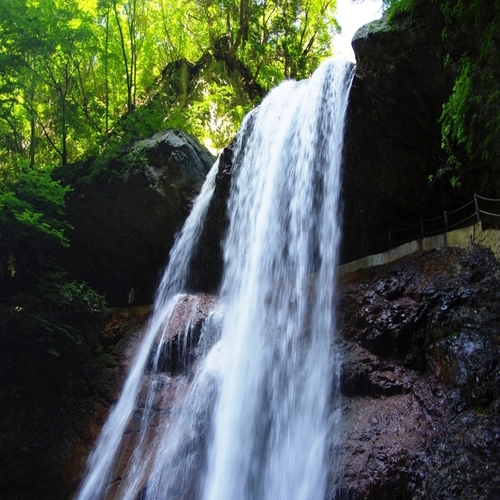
x=420, y=379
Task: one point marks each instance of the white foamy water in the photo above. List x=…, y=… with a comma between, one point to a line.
x=104, y=456
x=271, y=417
x=251, y=420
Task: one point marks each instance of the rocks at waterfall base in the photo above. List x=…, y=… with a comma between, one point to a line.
x=420, y=378
x=419, y=383
x=419, y=397
x=176, y=347
x=124, y=224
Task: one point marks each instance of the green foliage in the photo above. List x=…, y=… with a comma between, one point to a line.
x=38, y=300
x=471, y=118
x=50, y=310
x=31, y=210
x=401, y=11
x=213, y=116
x=45, y=45
x=71, y=73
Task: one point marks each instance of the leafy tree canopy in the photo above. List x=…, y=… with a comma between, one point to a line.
x=471, y=118
x=70, y=70
x=76, y=80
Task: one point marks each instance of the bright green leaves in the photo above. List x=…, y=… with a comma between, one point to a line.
x=31, y=210
x=47, y=44
x=70, y=70
x=38, y=299
x=470, y=119
x=213, y=117
x=457, y=117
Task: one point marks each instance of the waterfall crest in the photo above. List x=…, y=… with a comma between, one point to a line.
x=252, y=419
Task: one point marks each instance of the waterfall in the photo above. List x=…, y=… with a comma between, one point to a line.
x=280, y=257
x=252, y=417
x=103, y=457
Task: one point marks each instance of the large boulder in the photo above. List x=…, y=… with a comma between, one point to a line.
x=124, y=224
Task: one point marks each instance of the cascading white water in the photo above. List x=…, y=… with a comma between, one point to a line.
x=254, y=421
x=104, y=455
x=280, y=255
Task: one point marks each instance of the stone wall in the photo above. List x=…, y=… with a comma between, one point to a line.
x=461, y=238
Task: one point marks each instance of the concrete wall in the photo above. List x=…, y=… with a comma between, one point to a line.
x=462, y=238
x=490, y=238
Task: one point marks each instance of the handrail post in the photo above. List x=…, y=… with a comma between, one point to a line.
x=476, y=203
x=422, y=228
x=445, y=221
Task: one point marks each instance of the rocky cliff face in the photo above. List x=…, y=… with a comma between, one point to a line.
x=124, y=225
x=420, y=379
x=207, y=262
x=392, y=137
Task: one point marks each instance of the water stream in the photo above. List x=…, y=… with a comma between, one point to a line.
x=252, y=419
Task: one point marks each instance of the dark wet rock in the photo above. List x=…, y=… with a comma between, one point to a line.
x=420, y=379
x=164, y=395
x=463, y=460
x=468, y=361
x=124, y=224
x=206, y=265
x=174, y=349
x=364, y=374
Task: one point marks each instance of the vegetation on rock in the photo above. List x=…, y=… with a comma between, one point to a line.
x=38, y=297
x=470, y=121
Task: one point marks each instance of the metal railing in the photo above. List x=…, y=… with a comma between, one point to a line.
x=479, y=209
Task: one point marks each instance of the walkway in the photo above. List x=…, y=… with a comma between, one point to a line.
x=479, y=226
